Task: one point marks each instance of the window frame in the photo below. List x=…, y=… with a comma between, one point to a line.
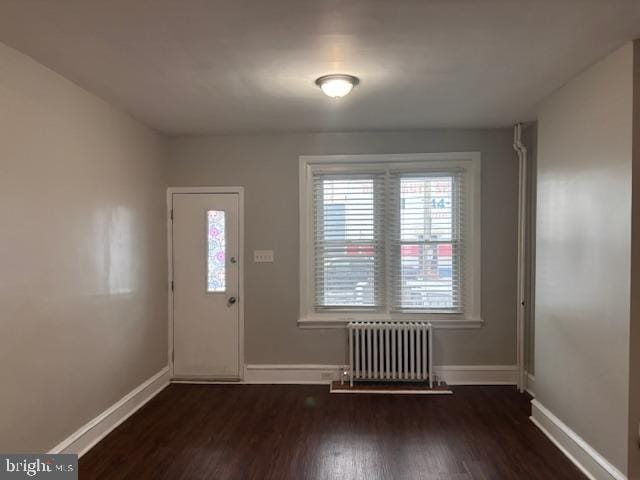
x=469, y=161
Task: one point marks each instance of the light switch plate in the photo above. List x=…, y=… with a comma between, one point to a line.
x=263, y=256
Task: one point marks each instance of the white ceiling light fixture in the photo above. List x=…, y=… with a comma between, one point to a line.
x=336, y=86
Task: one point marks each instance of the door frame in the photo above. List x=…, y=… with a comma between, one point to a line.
x=195, y=190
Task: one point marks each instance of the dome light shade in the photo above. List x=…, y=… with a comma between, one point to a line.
x=336, y=86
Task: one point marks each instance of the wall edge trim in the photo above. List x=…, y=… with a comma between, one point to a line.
x=88, y=435
x=530, y=387
x=321, y=374
x=576, y=449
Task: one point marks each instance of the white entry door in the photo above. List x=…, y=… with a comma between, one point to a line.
x=206, y=270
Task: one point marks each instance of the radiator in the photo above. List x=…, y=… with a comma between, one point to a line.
x=390, y=351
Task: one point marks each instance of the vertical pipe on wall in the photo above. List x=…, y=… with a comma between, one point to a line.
x=521, y=150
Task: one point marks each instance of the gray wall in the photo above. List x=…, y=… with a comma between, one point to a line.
x=267, y=166
x=634, y=342
x=583, y=254
x=530, y=140
x=82, y=255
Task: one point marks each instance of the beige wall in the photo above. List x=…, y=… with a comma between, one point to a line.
x=82, y=255
x=267, y=166
x=583, y=253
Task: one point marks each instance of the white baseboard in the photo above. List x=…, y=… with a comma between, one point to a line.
x=477, y=374
x=583, y=455
x=82, y=440
x=530, y=386
x=292, y=374
x=324, y=374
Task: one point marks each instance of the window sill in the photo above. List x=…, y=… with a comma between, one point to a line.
x=438, y=322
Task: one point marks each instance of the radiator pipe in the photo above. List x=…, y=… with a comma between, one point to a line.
x=521, y=151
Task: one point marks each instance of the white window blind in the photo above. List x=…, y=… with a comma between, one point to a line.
x=349, y=240
x=427, y=241
x=389, y=240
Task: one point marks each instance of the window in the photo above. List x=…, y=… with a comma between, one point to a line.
x=216, y=240
x=390, y=237
x=427, y=246
x=348, y=241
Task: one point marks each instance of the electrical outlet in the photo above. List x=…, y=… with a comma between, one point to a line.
x=262, y=256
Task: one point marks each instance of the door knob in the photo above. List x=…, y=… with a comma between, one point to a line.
x=233, y=260
x=232, y=300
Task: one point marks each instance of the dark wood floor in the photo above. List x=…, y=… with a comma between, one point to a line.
x=244, y=432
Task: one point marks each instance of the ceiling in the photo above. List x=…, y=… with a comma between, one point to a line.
x=238, y=66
